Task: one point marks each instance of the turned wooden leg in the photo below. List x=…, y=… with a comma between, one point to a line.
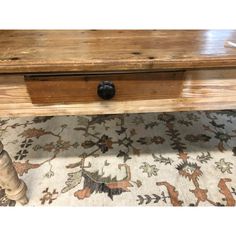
x=15, y=188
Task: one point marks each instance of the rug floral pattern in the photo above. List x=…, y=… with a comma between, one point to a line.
x=156, y=159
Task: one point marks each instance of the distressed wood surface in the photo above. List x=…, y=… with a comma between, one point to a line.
x=27, y=51
x=201, y=90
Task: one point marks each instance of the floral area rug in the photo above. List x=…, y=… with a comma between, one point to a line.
x=156, y=159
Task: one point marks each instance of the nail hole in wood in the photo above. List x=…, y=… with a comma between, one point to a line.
x=136, y=53
x=14, y=58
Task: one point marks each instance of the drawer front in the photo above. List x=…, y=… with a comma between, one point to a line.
x=63, y=89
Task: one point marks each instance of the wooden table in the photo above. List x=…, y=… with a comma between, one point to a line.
x=107, y=72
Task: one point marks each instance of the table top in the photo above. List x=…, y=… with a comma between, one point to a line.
x=34, y=51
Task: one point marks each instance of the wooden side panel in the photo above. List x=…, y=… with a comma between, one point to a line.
x=201, y=90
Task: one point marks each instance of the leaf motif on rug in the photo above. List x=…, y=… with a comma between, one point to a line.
x=73, y=180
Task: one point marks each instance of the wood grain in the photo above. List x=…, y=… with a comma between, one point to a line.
x=201, y=90
x=31, y=51
x=64, y=89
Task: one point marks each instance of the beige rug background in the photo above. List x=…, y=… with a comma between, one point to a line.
x=156, y=159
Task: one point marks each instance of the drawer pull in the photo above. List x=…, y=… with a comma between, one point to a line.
x=106, y=90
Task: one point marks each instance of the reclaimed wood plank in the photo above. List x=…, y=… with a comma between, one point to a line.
x=32, y=51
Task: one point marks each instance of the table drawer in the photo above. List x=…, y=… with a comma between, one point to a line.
x=62, y=89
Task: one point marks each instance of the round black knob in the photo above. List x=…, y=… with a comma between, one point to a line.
x=106, y=90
